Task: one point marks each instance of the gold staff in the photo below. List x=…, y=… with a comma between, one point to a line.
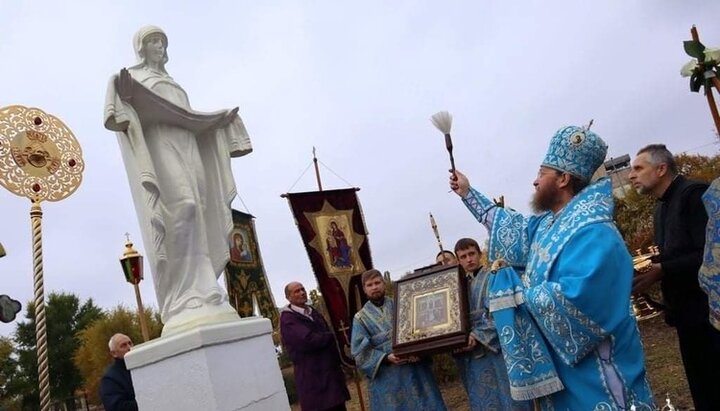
x=40, y=159
x=437, y=233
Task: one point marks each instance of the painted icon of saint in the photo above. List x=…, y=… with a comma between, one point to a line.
x=338, y=247
x=239, y=252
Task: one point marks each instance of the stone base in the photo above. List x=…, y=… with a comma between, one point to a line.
x=226, y=366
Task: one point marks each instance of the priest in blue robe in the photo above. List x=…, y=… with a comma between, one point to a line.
x=480, y=364
x=709, y=275
x=561, y=289
x=401, y=384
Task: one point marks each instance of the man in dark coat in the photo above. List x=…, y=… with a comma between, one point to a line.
x=116, y=387
x=310, y=344
x=679, y=221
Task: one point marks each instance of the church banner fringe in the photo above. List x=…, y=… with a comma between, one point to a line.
x=245, y=274
x=333, y=231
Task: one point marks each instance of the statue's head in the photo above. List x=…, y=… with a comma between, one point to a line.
x=149, y=35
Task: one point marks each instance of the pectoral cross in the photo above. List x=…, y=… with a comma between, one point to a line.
x=343, y=329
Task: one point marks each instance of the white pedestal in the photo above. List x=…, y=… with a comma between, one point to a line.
x=223, y=367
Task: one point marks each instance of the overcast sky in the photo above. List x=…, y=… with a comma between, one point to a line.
x=359, y=81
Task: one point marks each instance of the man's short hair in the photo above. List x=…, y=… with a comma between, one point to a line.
x=577, y=184
x=659, y=154
x=369, y=275
x=111, y=343
x=465, y=243
x=287, y=288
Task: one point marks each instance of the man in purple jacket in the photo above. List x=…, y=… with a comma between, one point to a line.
x=310, y=344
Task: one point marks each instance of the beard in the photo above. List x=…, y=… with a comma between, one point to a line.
x=377, y=297
x=544, y=199
x=641, y=189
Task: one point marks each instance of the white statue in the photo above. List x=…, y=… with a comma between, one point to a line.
x=178, y=164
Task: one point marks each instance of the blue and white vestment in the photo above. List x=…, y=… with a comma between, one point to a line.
x=570, y=308
x=482, y=370
x=709, y=275
x=406, y=387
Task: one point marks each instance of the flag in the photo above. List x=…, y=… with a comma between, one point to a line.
x=333, y=230
x=245, y=275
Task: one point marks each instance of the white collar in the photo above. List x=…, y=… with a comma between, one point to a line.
x=307, y=311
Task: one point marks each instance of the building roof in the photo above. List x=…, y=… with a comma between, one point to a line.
x=617, y=163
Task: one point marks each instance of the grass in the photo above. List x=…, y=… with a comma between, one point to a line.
x=663, y=363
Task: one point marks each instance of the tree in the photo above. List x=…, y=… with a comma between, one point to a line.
x=65, y=317
x=93, y=356
x=633, y=217
x=634, y=213
x=389, y=286
x=318, y=303
x=8, y=374
x=699, y=167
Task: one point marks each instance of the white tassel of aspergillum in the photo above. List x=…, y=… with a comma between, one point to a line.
x=443, y=121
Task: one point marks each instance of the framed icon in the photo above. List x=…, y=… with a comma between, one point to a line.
x=431, y=312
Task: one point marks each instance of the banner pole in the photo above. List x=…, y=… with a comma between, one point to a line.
x=356, y=377
x=317, y=171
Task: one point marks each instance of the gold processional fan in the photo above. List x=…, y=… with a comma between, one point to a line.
x=644, y=307
x=40, y=159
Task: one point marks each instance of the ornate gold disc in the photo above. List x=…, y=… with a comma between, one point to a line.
x=39, y=156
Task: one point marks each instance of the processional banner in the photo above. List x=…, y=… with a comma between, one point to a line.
x=245, y=275
x=333, y=230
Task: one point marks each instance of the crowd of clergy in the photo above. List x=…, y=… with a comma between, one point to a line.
x=551, y=326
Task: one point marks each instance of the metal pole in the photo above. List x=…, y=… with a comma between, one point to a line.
x=317, y=171
x=437, y=233
x=40, y=329
x=141, y=314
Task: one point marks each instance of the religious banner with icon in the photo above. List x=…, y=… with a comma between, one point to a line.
x=333, y=230
x=245, y=277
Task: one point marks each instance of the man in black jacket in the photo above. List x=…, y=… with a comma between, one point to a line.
x=116, y=387
x=679, y=221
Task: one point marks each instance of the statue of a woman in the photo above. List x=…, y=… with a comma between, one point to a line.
x=178, y=165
